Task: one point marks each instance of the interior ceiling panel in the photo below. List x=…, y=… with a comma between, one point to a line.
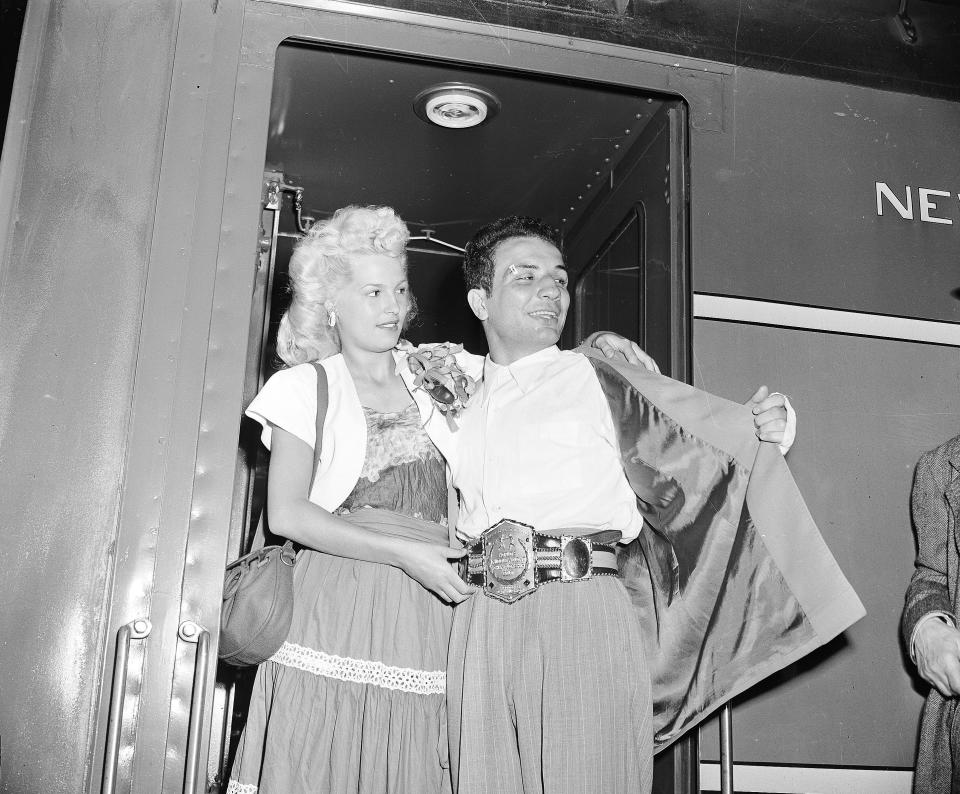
x=343, y=127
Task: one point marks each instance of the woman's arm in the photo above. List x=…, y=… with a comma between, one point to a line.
x=292, y=515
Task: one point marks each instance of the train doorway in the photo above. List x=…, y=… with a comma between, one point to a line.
x=603, y=164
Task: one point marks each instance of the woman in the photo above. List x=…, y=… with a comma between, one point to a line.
x=354, y=700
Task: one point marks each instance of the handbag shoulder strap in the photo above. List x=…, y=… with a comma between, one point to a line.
x=323, y=398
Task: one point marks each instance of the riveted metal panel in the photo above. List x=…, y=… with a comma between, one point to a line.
x=216, y=405
x=851, y=41
x=785, y=204
x=219, y=498
x=78, y=187
x=105, y=299
x=699, y=82
x=165, y=432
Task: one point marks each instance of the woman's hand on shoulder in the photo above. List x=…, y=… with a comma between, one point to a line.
x=432, y=565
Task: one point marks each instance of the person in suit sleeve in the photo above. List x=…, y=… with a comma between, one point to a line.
x=929, y=615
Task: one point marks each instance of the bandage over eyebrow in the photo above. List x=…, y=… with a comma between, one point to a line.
x=513, y=270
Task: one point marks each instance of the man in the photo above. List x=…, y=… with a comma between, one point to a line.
x=549, y=685
x=929, y=616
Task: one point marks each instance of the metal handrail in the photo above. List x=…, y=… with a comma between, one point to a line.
x=193, y=632
x=134, y=630
x=726, y=749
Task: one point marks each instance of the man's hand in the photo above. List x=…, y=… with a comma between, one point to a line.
x=611, y=344
x=937, y=651
x=769, y=415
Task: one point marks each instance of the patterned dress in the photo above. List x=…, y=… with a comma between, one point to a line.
x=354, y=700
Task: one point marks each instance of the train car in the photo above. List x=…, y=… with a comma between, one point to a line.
x=756, y=192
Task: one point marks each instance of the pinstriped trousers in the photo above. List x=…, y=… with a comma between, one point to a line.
x=550, y=693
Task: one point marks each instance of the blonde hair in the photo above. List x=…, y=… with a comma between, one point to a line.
x=320, y=267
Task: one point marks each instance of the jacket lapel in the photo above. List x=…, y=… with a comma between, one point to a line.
x=953, y=490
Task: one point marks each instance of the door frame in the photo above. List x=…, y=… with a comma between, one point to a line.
x=609, y=216
x=265, y=25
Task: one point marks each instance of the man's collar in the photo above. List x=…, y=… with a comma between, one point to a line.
x=526, y=372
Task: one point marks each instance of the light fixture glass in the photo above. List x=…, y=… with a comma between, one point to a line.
x=456, y=105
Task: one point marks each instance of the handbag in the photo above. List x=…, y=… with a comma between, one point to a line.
x=258, y=588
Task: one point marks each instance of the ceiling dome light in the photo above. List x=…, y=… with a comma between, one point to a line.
x=456, y=105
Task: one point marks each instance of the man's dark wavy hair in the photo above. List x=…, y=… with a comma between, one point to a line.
x=478, y=258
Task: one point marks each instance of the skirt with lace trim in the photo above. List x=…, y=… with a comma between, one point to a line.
x=354, y=700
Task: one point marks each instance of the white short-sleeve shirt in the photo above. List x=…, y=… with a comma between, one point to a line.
x=538, y=445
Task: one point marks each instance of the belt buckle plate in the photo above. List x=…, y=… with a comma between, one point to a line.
x=509, y=565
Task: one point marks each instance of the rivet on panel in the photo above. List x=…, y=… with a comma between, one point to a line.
x=189, y=631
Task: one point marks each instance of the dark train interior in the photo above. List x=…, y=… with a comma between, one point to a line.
x=351, y=127
x=347, y=128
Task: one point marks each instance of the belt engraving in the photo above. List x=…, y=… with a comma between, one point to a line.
x=509, y=561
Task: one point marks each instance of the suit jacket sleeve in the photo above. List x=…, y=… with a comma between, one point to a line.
x=928, y=591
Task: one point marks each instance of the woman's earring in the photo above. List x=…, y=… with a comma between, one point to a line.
x=333, y=319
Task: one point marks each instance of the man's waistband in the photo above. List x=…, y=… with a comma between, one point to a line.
x=511, y=559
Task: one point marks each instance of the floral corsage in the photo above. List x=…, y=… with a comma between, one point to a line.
x=436, y=371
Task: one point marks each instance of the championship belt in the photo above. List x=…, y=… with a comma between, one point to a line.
x=511, y=560
x=509, y=565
